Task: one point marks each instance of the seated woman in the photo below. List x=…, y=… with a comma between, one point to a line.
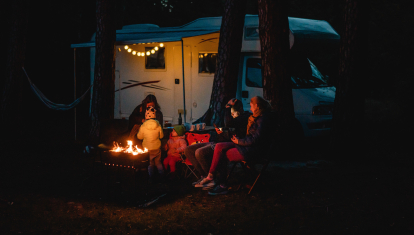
x=137, y=116
x=240, y=149
x=200, y=155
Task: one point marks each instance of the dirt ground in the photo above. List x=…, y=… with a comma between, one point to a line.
x=53, y=188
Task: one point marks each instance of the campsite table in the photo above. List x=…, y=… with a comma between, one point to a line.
x=206, y=130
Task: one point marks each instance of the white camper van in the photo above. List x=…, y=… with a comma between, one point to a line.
x=146, y=52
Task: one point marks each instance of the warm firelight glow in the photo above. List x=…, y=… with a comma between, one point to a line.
x=130, y=149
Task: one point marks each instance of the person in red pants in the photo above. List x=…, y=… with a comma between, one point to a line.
x=240, y=149
x=175, y=145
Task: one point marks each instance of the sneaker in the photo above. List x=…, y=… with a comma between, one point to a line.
x=198, y=181
x=209, y=185
x=203, y=182
x=218, y=190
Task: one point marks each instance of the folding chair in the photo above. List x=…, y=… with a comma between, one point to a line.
x=189, y=169
x=248, y=167
x=192, y=138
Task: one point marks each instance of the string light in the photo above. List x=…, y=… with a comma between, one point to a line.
x=129, y=50
x=156, y=48
x=152, y=51
x=126, y=47
x=134, y=52
x=161, y=44
x=148, y=53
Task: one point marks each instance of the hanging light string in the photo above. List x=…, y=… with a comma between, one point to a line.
x=138, y=53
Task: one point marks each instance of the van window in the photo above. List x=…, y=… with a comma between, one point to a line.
x=207, y=62
x=304, y=74
x=251, y=32
x=155, y=60
x=254, y=72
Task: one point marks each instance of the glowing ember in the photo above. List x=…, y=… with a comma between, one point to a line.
x=134, y=150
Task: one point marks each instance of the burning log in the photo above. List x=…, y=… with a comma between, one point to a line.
x=133, y=150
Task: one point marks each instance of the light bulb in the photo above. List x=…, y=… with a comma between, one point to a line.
x=152, y=51
x=134, y=52
x=129, y=50
x=205, y=54
x=126, y=47
x=156, y=48
x=148, y=53
x=201, y=56
x=161, y=44
x=139, y=54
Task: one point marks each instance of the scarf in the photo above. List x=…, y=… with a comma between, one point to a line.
x=253, y=118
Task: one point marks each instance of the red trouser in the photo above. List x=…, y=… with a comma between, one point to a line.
x=171, y=160
x=223, y=153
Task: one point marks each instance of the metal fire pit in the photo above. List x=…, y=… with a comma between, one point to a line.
x=125, y=160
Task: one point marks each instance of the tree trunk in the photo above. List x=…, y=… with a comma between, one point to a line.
x=228, y=59
x=11, y=100
x=349, y=101
x=102, y=109
x=274, y=42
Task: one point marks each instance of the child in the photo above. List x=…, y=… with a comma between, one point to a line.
x=151, y=133
x=175, y=145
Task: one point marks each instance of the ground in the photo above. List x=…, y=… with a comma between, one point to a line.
x=54, y=188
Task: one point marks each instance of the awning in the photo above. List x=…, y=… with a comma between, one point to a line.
x=126, y=38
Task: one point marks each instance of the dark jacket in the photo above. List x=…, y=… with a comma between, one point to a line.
x=258, y=139
x=138, y=114
x=239, y=124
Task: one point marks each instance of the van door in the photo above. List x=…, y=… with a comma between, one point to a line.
x=178, y=86
x=252, y=81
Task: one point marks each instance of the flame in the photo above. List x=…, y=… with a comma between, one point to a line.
x=130, y=149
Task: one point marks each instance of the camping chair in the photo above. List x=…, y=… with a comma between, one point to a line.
x=192, y=138
x=248, y=167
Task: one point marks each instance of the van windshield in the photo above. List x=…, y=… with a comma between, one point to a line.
x=304, y=74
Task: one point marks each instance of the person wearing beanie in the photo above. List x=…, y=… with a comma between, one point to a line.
x=151, y=133
x=174, y=147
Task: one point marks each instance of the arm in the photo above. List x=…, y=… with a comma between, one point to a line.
x=161, y=132
x=183, y=145
x=256, y=135
x=140, y=134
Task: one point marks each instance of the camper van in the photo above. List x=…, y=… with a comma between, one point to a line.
x=179, y=63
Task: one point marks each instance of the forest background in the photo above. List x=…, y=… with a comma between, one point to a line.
x=55, y=25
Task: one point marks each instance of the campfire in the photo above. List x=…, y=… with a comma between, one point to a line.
x=125, y=156
x=134, y=150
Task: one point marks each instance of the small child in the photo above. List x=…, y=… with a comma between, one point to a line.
x=151, y=133
x=175, y=145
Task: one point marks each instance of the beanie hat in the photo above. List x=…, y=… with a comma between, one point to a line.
x=180, y=129
x=150, y=113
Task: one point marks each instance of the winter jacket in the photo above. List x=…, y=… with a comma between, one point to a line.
x=176, y=145
x=258, y=139
x=138, y=114
x=151, y=133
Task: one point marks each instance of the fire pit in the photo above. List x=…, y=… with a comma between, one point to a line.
x=126, y=157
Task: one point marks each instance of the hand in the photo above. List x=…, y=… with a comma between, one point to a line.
x=235, y=139
x=218, y=131
x=231, y=103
